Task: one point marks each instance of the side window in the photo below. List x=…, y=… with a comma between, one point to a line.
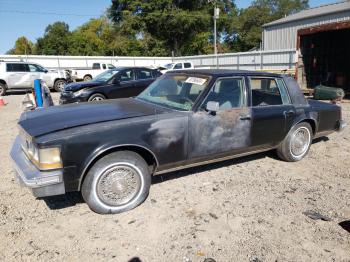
x=110, y=66
x=127, y=75
x=104, y=66
x=19, y=67
x=268, y=91
x=228, y=92
x=187, y=65
x=178, y=66
x=9, y=68
x=34, y=68
x=96, y=66
x=144, y=74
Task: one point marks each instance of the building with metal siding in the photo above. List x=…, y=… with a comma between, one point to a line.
x=282, y=33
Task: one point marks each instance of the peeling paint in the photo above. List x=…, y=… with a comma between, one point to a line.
x=219, y=133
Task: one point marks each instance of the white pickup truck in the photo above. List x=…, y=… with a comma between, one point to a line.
x=176, y=66
x=88, y=74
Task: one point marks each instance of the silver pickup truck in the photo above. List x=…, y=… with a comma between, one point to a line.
x=21, y=75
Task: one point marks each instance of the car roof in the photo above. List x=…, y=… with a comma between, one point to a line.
x=223, y=72
x=132, y=67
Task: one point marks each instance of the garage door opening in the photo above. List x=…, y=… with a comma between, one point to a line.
x=324, y=56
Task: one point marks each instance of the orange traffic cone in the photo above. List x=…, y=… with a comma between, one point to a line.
x=2, y=101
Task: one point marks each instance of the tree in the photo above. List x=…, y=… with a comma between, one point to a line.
x=55, y=40
x=176, y=24
x=23, y=46
x=246, y=31
x=92, y=38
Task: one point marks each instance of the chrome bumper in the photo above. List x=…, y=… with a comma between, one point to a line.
x=341, y=125
x=42, y=183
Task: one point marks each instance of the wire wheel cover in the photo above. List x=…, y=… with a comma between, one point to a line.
x=300, y=141
x=118, y=185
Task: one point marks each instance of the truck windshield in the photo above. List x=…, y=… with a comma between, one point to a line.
x=105, y=76
x=169, y=66
x=178, y=91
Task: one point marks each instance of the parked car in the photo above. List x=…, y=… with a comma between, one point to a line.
x=115, y=83
x=87, y=74
x=176, y=66
x=21, y=76
x=109, y=150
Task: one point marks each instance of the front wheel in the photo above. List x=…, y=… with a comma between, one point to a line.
x=297, y=143
x=96, y=97
x=117, y=183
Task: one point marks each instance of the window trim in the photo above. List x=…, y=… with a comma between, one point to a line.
x=245, y=93
x=250, y=77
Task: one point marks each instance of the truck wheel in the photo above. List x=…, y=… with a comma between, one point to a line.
x=59, y=85
x=96, y=97
x=87, y=78
x=117, y=183
x=2, y=89
x=297, y=143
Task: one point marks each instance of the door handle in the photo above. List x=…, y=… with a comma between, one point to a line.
x=245, y=117
x=288, y=113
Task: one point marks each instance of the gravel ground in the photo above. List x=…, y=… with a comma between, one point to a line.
x=247, y=209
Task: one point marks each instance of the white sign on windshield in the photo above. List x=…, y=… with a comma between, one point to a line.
x=196, y=80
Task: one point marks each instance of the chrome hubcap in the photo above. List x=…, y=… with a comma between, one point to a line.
x=97, y=98
x=300, y=141
x=118, y=185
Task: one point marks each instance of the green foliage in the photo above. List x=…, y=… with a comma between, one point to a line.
x=158, y=27
x=55, y=40
x=22, y=47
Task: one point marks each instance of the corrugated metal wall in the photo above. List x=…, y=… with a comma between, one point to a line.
x=284, y=36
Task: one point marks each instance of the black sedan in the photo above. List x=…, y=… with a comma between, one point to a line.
x=120, y=82
x=110, y=150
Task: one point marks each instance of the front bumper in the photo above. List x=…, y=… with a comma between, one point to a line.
x=41, y=183
x=341, y=125
x=68, y=98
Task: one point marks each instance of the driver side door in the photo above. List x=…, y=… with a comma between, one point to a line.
x=225, y=132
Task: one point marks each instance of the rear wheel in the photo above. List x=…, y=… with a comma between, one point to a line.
x=297, y=143
x=87, y=78
x=2, y=89
x=96, y=97
x=59, y=85
x=117, y=183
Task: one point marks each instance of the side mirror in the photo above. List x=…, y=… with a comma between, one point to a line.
x=213, y=106
x=45, y=71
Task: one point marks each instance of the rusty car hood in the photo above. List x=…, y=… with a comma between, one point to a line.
x=48, y=120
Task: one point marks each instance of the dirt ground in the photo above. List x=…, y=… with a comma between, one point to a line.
x=247, y=209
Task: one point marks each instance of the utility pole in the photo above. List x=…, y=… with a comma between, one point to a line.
x=216, y=16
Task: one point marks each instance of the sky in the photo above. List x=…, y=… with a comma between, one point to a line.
x=29, y=18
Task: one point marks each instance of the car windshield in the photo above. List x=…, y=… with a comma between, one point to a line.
x=178, y=91
x=169, y=66
x=105, y=76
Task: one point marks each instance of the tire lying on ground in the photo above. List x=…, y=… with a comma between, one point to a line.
x=117, y=183
x=297, y=143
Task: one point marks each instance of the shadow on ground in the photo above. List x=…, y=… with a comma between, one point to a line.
x=345, y=225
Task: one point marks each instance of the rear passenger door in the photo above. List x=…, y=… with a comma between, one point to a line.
x=144, y=77
x=272, y=111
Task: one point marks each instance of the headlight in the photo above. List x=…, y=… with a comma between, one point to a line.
x=43, y=158
x=78, y=93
